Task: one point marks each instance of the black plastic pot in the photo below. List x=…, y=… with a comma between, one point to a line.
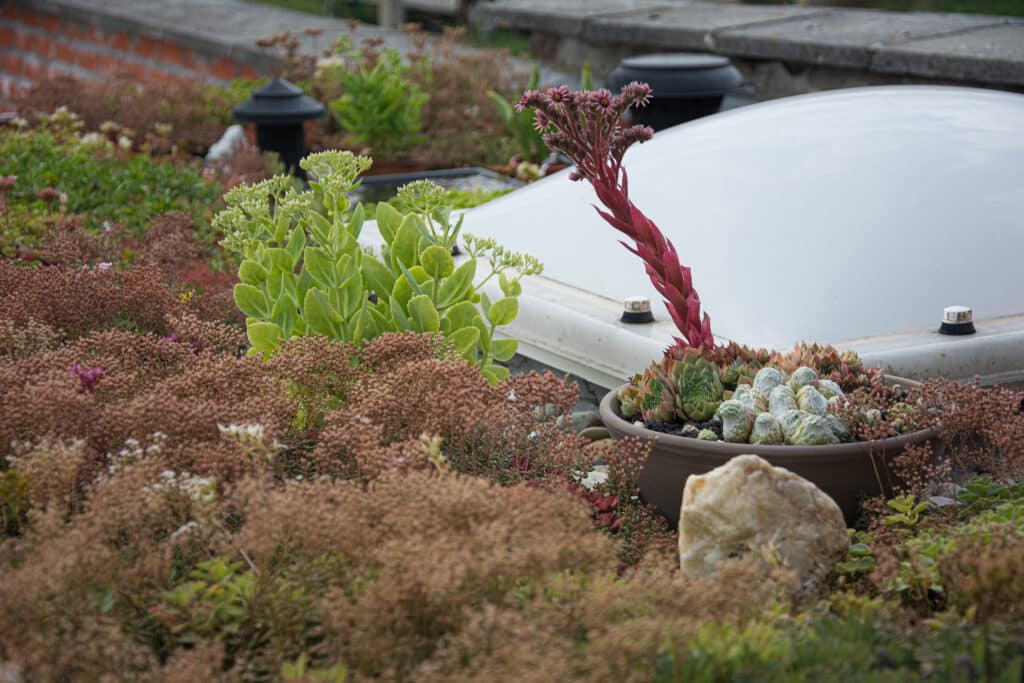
x=848, y=472
x=382, y=187
x=685, y=85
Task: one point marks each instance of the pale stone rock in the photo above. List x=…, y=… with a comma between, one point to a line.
x=747, y=505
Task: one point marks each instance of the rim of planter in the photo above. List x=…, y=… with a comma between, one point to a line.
x=609, y=412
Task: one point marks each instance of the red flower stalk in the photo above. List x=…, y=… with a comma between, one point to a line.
x=587, y=127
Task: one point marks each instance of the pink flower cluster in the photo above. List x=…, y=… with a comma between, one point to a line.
x=587, y=127
x=86, y=377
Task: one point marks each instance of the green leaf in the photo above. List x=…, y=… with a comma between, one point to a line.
x=457, y=285
x=320, y=267
x=437, y=261
x=251, y=301
x=398, y=313
x=320, y=315
x=404, y=246
x=281, y=259
x=464, y=340
x=284, y=314
x=495, y=373
x=251, y=273
x=503, y=349
x=485, y=303
x=463, y=314
x=503, y=311
x=509, y=287
x=361, y=324
x=319, y=227
x=355, y=224
x=381, y=320
x=377, y=276
x=264, y=336
x=351, y=295
x=409, y=284
x=423, y=314
x=388, y=221
x=275, y=284
x=296, y=243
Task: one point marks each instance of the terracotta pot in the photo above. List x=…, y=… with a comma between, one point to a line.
x=847, y=472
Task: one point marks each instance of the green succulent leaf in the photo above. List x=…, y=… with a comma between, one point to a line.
x=388, y=221
x=352, y=295
x=503, y=349
x=503, y=311
x=281, y=259
x=252, y=273
x=320, y=315
x=284, y=314
x=509, y=287
x=320, y=266
x=296, y=243
x=355, y=224
x=495, y=373
x=465, y=341
x=319, y=228
x=404, y=247
x=251, y=301
x=378, y=277
x=264, y=336
x=423, y=314
x=398, y=313
x=437, y=261
x=457, y=285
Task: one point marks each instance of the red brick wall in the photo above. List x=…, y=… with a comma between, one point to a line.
x=36, y=45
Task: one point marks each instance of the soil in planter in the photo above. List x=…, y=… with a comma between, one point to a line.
x=688, y=430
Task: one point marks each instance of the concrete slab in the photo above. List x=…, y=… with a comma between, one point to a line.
x=565, y=17
x=688, y=25
x=985, y=55
x=846, y=38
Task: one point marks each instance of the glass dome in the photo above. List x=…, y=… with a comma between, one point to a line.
x=826, y=217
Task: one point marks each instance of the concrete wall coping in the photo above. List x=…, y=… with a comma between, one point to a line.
x=217, y=28
x=948, y=47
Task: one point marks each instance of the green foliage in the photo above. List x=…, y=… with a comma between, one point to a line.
x=380, y=105
x=216, y=602
x=98, y=184
x=859, y=558
x=529, y=141
x=14, y=502
x=303, y=271
x=299, y=671
x=698, y=386
x=907, y=513
x=983, y=494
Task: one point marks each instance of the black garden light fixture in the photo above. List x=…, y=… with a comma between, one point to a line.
x=279, y=109
x=684, y=85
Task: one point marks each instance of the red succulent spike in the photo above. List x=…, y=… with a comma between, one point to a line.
x=587, y=127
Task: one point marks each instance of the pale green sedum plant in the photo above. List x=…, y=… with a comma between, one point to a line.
x=303, y=271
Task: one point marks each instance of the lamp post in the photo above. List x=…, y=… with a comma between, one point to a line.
x=279, y=109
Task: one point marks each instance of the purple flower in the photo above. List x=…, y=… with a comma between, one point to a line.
x=602, y=101
x=559, y=96
x=87, y=378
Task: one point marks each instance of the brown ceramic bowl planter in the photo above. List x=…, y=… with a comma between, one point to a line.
x=847, y=472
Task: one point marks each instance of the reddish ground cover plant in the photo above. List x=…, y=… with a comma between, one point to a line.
x=173, y=509
x=191, y=116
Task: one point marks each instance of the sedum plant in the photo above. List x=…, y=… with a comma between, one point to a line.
x=303, y=271
x=381, y=104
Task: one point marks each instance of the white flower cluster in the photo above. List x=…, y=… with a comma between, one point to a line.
x=199, y=489
x=252, y=440
x=133, y=450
